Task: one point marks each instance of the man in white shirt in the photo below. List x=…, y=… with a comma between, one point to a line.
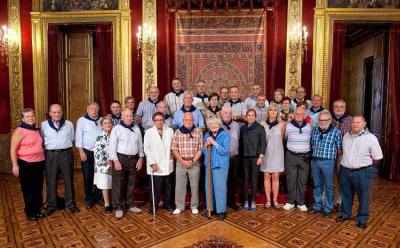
x=87, y=129
x=315, y=109
x=174, y=99
x=126, y=151
x=239, y=108
x=361, y=150
x=200, y=100
x=58, y=137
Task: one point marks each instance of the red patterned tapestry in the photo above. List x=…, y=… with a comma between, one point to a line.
x=223, y=49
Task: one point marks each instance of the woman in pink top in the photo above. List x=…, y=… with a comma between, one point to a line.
x=27, y=157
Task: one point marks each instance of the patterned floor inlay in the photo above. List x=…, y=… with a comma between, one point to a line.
x=261, y=228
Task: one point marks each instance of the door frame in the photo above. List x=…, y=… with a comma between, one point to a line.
x=121, y=24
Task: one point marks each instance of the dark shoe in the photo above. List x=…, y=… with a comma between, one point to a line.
x=326, y=214
x=48, y=212
x=341, y=219
x=221, y=216
x=314, y=211
x=234, y=207
x=32, y=218
x=89, y=205
x=169, y=208
x=108, y=209
x=74, y=209
x=361, y=225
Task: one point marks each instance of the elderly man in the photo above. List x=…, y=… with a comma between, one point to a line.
x=87, y=129
x=361, y=150
x=341, y=121
x=223, y=96
x=186, y=147
x=188, y=107
x=233, y=128
x=251, y=101
x=239, y=108
x=261, y=108
x=315, y=109
x=298, y=135
x=326, y=142
x=130, y=103
x=300, y=97
x=174, y=99
x=58, y=135
x=126, y=151
x=115, y=108
x=200, y=100
x=147, y=108
x=162, y=107
x=157, y=147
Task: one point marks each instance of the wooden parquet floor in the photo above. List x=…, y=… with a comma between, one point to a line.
x=262, y=228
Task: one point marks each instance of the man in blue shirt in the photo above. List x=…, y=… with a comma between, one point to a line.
x=188, y=107
x=326, y=143
x=58, y=136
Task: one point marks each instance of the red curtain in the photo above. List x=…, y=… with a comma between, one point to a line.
x=394, y=95
x=5, y=126
x=53, y=64
x=104, y=51
x=339, y=35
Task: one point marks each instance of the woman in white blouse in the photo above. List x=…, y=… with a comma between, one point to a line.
x=157, y=147
x=102, y=163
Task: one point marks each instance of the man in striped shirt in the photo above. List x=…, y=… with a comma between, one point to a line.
x=341, y=121
x=186, y=147
x=147, y=108
x=361, y=150
x=326, y=142
x=174, y=99
x=298, y=135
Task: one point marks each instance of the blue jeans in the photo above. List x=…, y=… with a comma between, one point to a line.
x=218, y=188
x=92, y=193
x=322, y=175
x=358, y=181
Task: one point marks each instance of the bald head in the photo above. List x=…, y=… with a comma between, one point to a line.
x=188, y=120
x=127, y=116
x=55, y=112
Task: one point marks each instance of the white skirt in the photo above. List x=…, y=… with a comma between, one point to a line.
x=102, y=181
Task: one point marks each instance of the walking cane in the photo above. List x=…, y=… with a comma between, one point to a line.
x=209, y=183
x=152, y=193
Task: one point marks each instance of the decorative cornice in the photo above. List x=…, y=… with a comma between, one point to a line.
x=15, y=63
x=149, y=51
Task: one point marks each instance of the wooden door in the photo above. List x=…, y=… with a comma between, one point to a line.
x=78, y=77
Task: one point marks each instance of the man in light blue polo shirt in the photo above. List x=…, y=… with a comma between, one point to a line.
x=87, y=129
x=188, y=107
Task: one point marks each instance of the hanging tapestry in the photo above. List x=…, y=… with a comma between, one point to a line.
x=223, y=49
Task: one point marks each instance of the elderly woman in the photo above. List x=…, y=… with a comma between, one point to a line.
x=213, y=109
x=157, y=147
x=27, y=157
x=279, y=94
x=274, y=154
x=102, y=163
x=252, y=147
x=219, y=141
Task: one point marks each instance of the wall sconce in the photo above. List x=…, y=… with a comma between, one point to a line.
x=298, y=41
x=146, y=40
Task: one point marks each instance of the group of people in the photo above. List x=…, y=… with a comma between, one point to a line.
x=186, y=132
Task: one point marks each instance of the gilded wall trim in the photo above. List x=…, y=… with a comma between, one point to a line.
x=15, y=63
x=323, y=39
x=121, y=49
x=293, y=55
x=149, y=51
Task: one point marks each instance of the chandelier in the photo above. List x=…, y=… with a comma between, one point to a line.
x=298, y=41
x=146, y=40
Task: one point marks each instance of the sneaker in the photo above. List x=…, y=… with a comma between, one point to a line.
x=302, y=208
x=288, y=206
x=176, y=211
x=195, y=211
x=246, y=207
x=119, y=214
x=135, y=210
